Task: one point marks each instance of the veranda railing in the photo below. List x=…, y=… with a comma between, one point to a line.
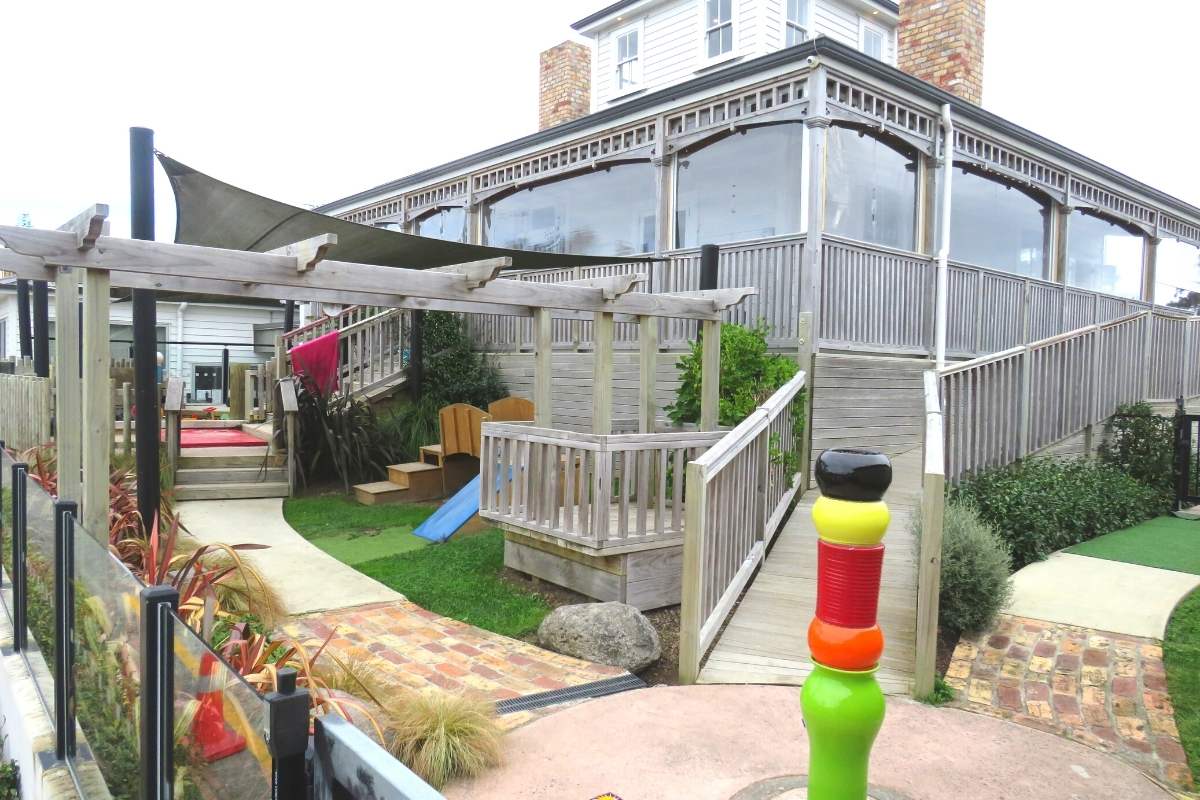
x=601, y=491
x=1004, y=406
x=737, y=495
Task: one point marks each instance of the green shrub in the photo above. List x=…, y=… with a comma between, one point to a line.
x=1142, y=445
x=10, y=774
x=412, y=426
x=975, y=567
x=942, y=692
x=749, y=375
x=454, y=372
x=1039, y=505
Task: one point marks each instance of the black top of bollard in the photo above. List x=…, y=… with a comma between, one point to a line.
x=850, y=473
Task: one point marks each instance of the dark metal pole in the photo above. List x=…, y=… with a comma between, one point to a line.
x=20, y=581
x=65, y=512
x=708, y=266
x=41, y=329
x=145, y=324
x=24, y=336
x=289, y=316
x=287, y=729
x=225, y=376
x=157, y=700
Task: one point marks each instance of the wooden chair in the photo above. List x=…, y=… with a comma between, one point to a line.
x=511, y=409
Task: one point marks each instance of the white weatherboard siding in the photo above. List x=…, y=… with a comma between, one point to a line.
x=672, y=39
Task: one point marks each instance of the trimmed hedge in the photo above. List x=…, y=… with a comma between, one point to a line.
x=1040, y=505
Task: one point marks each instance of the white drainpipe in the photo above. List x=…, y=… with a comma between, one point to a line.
x=943, y=255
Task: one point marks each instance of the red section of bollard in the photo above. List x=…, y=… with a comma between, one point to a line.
x=844, y=648
x=848, y=584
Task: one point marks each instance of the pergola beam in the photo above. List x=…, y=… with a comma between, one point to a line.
x=610, y=286
x=173, y=261
x=88, y=226
x=478, y=273
x=309, y=252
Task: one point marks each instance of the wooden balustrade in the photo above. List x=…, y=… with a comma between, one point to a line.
x=737, y=493
x=601, y=491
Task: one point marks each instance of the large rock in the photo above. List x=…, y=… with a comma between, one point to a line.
x=607, y=633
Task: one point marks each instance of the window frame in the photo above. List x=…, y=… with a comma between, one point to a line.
x=788, y=24
x=885, y=36
x=705, y=59
x=638, y=82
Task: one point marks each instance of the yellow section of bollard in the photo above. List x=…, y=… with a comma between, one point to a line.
x=850, y=522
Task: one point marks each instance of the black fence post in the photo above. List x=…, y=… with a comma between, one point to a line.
x=157, y=702
x=41, y=329
x=709, y=257
x=287, y=736
x=65, y=512
x=225, y=376
x=20, y=581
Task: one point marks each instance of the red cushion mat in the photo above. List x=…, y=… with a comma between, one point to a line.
x=218, y=437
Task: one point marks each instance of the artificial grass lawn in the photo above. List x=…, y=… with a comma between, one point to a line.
x=1181, y=653
x=354, y=533
x=1164, y=542
x=461, y=579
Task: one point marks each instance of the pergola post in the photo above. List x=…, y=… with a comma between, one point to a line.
x=710, y=375
x=543, y=369
x=602, y=371
x=68, y=414
x=24, y=339
x=97, y=402
x=647, y=373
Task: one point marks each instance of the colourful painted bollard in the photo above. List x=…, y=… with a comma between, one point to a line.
x=841, y=701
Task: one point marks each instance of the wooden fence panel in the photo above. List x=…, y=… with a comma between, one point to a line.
x=25, y=411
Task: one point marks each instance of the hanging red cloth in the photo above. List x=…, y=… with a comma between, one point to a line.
x=318, y=360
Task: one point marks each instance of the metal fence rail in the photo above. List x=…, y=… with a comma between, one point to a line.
x=737, y=495
x=1004, y=406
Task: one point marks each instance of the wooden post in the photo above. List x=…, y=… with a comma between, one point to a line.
x=1147, y=351
x=97, y=402
x=543, y=368
x=929, y=570
x=127, y=428
x=68, y=411
x=690, y=613
x=602, y=371
x=805, y=333
x=710, y=375
x=647, y=373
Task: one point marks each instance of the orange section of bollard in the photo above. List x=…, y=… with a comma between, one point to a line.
x=844, y=648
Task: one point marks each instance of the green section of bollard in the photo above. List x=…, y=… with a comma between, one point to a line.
x=843, y=712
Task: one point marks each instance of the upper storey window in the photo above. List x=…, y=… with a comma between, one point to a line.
x=629, y=62
x=796, y=25
x=718, y=27
x=871, y=39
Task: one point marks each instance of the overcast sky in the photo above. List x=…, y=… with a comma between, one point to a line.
x=309, y=101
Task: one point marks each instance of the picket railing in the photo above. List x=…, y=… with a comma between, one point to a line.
x=372, y=345
x=737, y=495
x=319, y=327
x=1004, y=406
x=26, y=404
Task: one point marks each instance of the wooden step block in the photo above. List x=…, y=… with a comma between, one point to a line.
x=432, y=454
x=423, y=481
x=379, y=492
x=208, y=475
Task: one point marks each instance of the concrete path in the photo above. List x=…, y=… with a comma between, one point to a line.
x=1096, y=593
x=305, y=577
x=710, y=742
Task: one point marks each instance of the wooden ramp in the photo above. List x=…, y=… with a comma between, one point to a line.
x=858, y=401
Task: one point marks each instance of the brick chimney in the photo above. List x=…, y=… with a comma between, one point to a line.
x=565, y=84
x=941, y=41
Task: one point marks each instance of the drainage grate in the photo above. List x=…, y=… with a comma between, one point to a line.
x=586, y=691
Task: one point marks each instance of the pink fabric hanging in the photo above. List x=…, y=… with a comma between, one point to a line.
x=318, y=360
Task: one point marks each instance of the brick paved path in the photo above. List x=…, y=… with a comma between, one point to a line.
x=1105, y=690
x=419, y=649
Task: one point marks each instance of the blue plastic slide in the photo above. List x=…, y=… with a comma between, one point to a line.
x=452, y=514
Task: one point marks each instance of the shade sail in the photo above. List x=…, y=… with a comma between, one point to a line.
x=212, y=213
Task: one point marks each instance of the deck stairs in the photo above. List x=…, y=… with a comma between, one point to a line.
x=858, y=401
x=230, y=473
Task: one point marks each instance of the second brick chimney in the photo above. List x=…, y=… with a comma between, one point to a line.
x=564, y=84
x=941, y=41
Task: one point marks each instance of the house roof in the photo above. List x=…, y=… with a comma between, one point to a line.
x=822, y=46
x=620, y=5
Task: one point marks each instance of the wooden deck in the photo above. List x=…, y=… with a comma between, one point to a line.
x=766, y=639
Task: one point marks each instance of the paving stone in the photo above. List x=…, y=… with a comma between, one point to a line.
x=1105, y=691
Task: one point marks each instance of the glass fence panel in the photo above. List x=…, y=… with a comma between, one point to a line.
x=39, y=560
x=107, y=646
x=6, y=464
x=220, y=721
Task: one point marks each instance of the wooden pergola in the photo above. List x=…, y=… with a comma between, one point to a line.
x=79, y=256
